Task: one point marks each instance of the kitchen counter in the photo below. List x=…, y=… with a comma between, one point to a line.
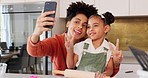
x=129, y=66
x=11, y=75
x=128, y=58
x=128, y=71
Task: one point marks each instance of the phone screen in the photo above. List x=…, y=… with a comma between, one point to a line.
x=50, y=6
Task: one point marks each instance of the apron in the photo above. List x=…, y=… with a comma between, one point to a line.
x=92, y=62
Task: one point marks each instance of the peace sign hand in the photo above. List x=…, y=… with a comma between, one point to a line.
x=116, y=54
x=69, y=42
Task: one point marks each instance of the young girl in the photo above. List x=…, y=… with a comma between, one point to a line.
x=93, y=54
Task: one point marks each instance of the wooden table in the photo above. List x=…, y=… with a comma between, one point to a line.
x=11, y=75
x=8, y=55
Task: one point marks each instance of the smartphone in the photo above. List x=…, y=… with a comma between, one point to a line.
x=50, y=6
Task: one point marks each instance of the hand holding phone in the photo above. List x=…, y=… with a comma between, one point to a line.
x=50, y=6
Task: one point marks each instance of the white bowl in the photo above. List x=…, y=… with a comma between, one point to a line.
x=3, y=67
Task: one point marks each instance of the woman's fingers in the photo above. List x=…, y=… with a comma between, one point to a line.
x=47, y=23
x=43, y=17
x=65, y=37
x=72, y=40
x=47, y=19
x=47, y=13
x=42, y=21
x=67, y=41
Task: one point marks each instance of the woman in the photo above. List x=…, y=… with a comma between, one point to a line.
x=77, y=15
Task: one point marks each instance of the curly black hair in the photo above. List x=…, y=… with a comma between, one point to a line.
x=80, y=7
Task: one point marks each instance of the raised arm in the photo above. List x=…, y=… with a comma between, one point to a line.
x=117, y=57
x=109, y=68
x=42, y=20
x=70, y=54
x=71, y=57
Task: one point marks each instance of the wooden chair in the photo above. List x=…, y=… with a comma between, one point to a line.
x=20, y=63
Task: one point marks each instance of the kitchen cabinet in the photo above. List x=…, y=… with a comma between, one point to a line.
x=138, y=7
x=36, y=0
x=65, y=4
x=21, y=1
x=113, y=6
x=91, y=2
x=123, y=7
x=12, y=1
x=116, y=7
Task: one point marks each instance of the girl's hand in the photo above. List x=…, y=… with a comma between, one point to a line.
x=100, y=75
x=116, y=54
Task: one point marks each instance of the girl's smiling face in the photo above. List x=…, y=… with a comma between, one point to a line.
x=96, y=28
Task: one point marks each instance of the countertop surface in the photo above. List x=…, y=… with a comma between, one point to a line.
x=11, y=75
x=128, y=71
x=129, y=66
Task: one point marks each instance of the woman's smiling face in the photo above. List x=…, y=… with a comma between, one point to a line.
x=77, y=26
